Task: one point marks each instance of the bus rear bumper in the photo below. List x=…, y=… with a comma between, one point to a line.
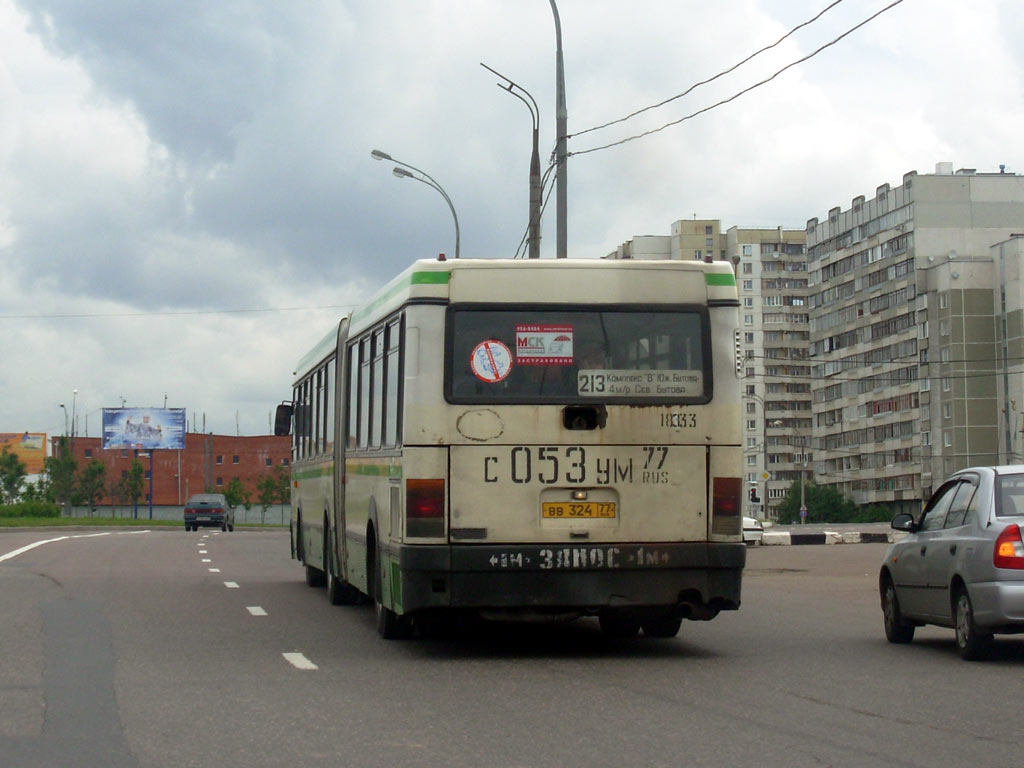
x=697, y=579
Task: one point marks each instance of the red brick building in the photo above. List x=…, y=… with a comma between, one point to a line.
x=208, y=462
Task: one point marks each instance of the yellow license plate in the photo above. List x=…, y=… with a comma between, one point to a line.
x=577, y=509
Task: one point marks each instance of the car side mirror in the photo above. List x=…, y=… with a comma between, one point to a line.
x=903, y=522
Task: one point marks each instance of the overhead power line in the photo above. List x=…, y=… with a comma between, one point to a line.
x=745, y=90
x=174, y=313
x=723, y=73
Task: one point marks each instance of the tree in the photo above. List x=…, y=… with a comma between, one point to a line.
x=60, y=471
x=92, y=480
x=133, y=484
x=273, y=488
x=12, y=476
x=825, y=504
x=234, y=492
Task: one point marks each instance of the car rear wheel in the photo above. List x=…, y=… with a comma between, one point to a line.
x=970, y=642
x=896, y=629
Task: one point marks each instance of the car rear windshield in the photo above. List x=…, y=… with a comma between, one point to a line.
x=1010, y=495
x=533, y=355
x=206, y=500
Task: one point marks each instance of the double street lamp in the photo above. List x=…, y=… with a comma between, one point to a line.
x=400, y=171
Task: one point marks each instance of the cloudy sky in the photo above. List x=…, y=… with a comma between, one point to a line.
x=188, y=202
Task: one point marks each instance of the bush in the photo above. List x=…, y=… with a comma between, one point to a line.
x=30, y=509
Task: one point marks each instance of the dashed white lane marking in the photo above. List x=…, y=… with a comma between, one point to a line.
x=231, y=584
x=255, y=610
x=22, y=550
x=205, y=560
x=202, y=551
x=214, y=570
x=299, y=661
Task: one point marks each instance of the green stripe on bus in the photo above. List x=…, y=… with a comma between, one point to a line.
x=307, y=474
x=416, y=278
x=374, y=470
x=719, y=278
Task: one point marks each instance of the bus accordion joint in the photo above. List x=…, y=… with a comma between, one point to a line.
x=424, y=507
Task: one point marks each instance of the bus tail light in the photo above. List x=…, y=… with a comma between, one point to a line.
x=1009, y=551
x=725, y=506
x=424, y=508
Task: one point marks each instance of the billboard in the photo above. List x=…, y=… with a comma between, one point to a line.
x=144, y=428
x=30, y=447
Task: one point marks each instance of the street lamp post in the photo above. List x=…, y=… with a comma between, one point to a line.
x=536, y=191
x=401, y=173
x=764, y=450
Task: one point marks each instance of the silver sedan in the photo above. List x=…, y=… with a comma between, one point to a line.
x=961, y=564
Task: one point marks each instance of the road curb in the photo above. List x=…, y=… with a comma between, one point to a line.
x=787, y=538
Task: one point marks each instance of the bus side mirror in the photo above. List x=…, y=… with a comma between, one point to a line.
x=283, y=419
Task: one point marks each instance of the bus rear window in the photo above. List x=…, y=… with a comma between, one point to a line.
x=570, y=355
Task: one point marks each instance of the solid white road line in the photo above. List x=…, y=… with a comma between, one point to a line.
x=21, y=550
x=299, y=661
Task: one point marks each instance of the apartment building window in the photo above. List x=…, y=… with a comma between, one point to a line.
x=945, y=384
x=748, y=338
x=751, y=424
x=943, y=327
x=234, y=459
x=947, y=410
x=220, y=459
x=944, y=354
x=269, y=461
x=751, y=408
x=748, y=250
x=748, y=302
x=751, y=442
x=748, y=285
x=926, y=438
x=748, y=268
x=708, y=230
x=88, y=453
x=943, y=301
x=752, y=460
x=750, y=372
x=748, y=319
x=947, y=441
x=220, y=481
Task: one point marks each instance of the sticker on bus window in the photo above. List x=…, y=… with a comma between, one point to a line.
x=544, y=344
x=491, y=361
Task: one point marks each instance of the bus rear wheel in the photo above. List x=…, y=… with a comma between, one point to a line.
x=662, y=626
x=390, y=625
x=619, y=623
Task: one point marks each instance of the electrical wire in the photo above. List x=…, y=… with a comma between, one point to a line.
x=744, y=91
x=723, y=73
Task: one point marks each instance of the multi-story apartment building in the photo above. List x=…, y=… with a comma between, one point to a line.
x=905, y=323
x=771, y=274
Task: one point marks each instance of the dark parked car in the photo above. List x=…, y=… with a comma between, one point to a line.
x=209, y=510
x=961, y=564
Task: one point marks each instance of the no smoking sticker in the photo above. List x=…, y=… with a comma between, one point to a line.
x=491, y=361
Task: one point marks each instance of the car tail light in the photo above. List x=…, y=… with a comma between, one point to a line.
x=424, y=507
x=725, y=505
x=1009, y=551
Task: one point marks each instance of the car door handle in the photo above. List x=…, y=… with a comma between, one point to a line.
x=952, y=549
x=923, y=550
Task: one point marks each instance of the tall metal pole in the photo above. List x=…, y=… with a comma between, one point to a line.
x=561, y=130
x=536, y=192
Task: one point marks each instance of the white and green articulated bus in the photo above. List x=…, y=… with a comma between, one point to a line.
x=526, y=439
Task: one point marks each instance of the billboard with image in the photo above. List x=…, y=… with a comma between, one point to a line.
x=144, y=428
x=29, y=447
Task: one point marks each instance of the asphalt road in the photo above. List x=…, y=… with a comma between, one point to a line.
x=130, y=650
